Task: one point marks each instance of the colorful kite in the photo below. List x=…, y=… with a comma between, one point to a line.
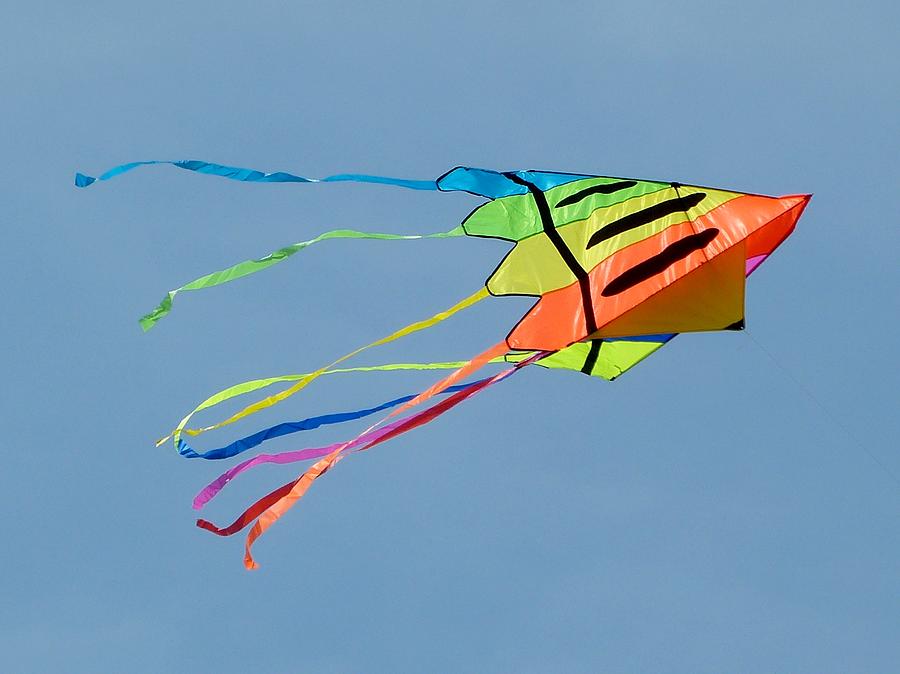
x=619, y=267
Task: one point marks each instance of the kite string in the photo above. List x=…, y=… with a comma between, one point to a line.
x=809, y=394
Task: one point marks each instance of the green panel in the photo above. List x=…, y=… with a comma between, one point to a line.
x=615, y=357
x=534, y=266
x=515, y=218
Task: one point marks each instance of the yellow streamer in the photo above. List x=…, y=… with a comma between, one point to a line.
x=306, y=379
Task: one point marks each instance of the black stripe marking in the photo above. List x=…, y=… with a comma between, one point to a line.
x=660, y=262
x=737, y=325
x=584, y=283
x=592, y=356
x=608, y=188
x=646, y=216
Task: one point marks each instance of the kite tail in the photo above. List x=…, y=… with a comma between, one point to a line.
x=253, y=176
x=271, y=507
x=306, y=380
x=256, y=384
x=274, y=512
x=248, y=267
x=289, y=427
x=214, y=487
x=249, y=514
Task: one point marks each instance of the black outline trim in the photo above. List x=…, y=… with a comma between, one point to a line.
x=584, y=281
x=590, y=360
x=670, y=183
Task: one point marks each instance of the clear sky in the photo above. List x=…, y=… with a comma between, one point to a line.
x=728, y=506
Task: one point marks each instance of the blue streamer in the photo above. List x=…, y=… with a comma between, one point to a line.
x=496, y=185
x=288, y=427
x=482, y=182
x=254, y=176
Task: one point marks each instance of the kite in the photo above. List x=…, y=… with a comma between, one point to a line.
x=619, y=267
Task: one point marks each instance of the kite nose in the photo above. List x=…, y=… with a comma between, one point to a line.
x=794, y=205
x=794, y=200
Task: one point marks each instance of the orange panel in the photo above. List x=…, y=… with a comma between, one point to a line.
x=769, y=237
x=709, y=298
x=557, y=319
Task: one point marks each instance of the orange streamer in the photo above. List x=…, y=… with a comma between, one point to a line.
x=274, y=512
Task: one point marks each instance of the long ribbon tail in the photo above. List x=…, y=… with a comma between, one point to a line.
x=257, y=384
x=497, y=351
x=248, y=267
x=287, y=428
x=367, y=436
x=250, y=513
x=253, y=176
x=213, y=488
x=209, y=492
x=286, y=502
x=303, y=383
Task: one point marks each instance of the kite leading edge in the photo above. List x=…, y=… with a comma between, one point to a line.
x=619, y=266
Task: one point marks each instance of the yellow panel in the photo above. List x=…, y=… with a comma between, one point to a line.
x=709, y=298
x=534, y=266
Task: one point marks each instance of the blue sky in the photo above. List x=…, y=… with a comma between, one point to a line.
x=729, y=505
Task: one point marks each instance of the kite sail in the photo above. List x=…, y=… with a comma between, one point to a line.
x=619, y=266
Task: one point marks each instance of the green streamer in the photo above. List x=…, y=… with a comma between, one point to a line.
x=248, y=267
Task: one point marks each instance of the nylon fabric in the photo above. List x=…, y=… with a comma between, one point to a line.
x=711, y=297
x=497, y=185
x=557, y=319
x=516, y=217
x=616, y=356
x=534, y=266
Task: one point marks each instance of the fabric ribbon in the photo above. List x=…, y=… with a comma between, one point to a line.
x=479, y=295
x=271, y=507
x=254, y=176
x=280, y=506
x=286, y=428
x=214, y=487
x=248, y=267
x=368, y=436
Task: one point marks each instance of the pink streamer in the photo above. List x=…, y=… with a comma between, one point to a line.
x=214, y=487
x=366, y=439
